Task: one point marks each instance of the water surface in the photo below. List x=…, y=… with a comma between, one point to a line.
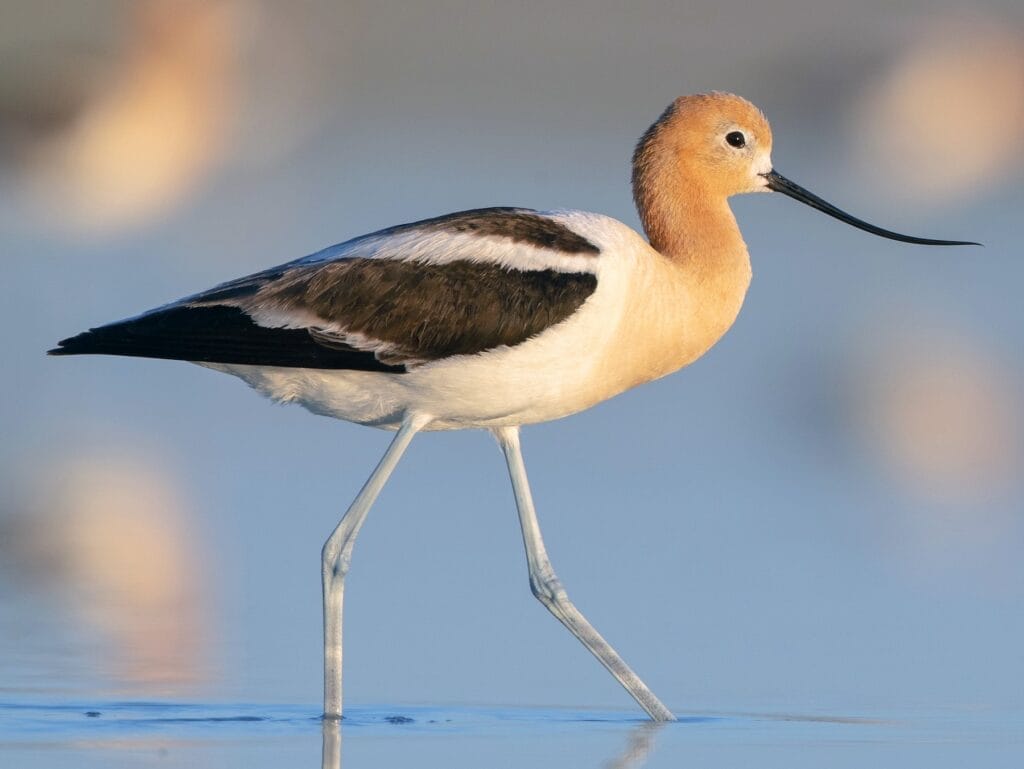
x=197, y=735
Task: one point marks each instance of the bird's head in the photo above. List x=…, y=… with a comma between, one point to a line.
x=716, y=145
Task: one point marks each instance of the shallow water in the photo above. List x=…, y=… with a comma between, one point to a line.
x=197, y=735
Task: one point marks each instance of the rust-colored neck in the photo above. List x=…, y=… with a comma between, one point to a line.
x=687, y=223
x=690, y=230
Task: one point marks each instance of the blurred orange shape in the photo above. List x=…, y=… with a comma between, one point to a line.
x=947, y=118
x=113, y=533
x=943, y=415
x=152, y=127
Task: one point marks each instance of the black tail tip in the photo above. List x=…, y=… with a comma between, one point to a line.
x=73, y=345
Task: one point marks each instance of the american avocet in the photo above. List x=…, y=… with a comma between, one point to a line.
x=493, y=318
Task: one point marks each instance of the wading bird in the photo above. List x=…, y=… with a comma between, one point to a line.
x=493, y=318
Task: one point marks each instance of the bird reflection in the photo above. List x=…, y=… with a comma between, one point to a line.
x=330, y=756
x=639, y=745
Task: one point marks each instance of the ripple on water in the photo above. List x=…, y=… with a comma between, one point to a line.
x=99, y=724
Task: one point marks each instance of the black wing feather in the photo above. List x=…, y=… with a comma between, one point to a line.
x=216, y=334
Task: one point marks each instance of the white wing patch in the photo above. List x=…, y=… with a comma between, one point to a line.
x=439, y=247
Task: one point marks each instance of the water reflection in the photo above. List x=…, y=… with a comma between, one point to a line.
x=638, y=748
x=331, y=754
x=100, y=733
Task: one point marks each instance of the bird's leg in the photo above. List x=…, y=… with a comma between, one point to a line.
x=549, y=591
x=336, y=557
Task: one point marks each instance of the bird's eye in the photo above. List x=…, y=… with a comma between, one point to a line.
x=736, y=139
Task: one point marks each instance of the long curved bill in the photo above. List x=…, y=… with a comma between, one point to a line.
x=780, y=183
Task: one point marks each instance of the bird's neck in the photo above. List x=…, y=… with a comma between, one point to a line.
x=698, y=234
x=706, y=259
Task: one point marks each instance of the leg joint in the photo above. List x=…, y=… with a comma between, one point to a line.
x=548, y=589
x=334, y=561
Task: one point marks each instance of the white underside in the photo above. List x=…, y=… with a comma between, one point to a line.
x=501, y=387
x=561, y=371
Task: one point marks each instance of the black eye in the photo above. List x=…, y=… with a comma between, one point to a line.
x=736, y=139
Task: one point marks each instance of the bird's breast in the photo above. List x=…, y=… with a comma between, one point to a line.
x=671, y=316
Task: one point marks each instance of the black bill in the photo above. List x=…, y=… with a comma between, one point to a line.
x=780, y=183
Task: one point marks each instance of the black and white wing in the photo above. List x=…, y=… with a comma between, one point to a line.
x=459, y=284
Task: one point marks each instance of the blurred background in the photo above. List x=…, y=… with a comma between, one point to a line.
x=825, y=511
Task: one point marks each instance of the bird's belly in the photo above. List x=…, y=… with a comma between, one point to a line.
x=497, y=388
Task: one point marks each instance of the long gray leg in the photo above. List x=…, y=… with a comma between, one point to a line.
x=548, y=588
x=336, y=558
